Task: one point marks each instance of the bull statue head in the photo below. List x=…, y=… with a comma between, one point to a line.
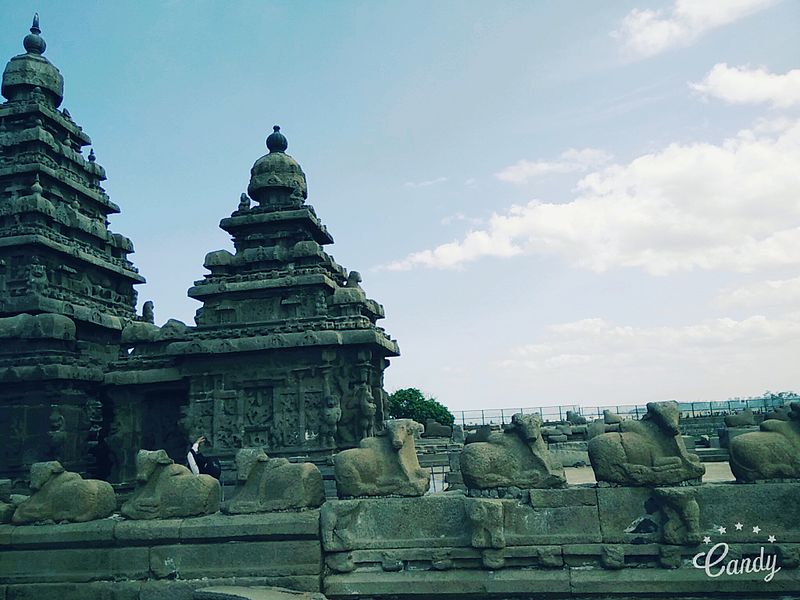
x=399, y=430
x=528, y=427
x=43, y=472
x=148, y=460
x=666, y=415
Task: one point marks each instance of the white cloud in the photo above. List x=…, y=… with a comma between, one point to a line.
x=781, y=292
x=743, y=85
x=570, y=161
x=461, y=217
x=428, y=183
x=719, y=345
x=733, y=206
x=645, y=32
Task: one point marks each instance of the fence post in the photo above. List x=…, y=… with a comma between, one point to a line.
x=483, y=420
x=502, y=417
x=636, y=408
x=463, y=422
x=560, y=414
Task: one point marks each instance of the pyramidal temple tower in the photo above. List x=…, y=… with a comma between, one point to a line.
x=286, y=354
x=316, y=352
x=66, y=284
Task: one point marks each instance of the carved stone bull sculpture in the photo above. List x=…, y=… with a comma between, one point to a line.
x=772, y=453
x=274, y=484
x=649, y=452
x=383, y=465
x=517, y=456
x=167, y=490
x=59, y=495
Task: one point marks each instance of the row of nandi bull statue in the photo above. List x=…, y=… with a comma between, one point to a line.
x=649, y=452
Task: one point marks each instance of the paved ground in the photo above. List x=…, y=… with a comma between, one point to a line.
x=715, y=471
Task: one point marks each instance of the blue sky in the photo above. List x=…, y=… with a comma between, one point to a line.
x=556, y=202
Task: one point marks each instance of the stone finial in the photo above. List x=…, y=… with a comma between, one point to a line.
x=36, y=187
x=33, y=42
x=92, y=157
x=277, y=142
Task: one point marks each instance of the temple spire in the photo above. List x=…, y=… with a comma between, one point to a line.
x=33, y=42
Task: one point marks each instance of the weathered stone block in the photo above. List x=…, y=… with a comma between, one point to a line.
x=254, y=593
x=185, y=589
x=93, y=533
x=504, y=583
x=572, y=496
x=98, y=590
x=148, y=531
x=435, y=520
x=628, y=515
x=74, y=565
x=772, y=507
x=271, y=526
x=264, y=559
x=526, y=525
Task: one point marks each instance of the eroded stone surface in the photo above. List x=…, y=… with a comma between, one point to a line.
x=516, y=457
x=254, y=593
x=383, y=465
x=648, y=452
x=772, y=453
x=59, y=495
x=275, y=484
x=167, y=490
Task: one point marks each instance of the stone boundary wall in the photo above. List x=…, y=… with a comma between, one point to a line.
x=578, y=542
x=159, y=559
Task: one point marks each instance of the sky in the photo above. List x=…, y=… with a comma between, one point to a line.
x=577, y=202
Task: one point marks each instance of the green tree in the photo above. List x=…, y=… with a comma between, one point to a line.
x=410, y=403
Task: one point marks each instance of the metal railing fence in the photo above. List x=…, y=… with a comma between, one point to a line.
x=499, y=416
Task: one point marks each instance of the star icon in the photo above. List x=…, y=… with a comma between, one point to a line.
x=771, y=539
x=706, y=540
x=756, y=529
x=738, y=526
x=722, y=530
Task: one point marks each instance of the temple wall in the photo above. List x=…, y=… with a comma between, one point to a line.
x=115, y=558
x=579, y=542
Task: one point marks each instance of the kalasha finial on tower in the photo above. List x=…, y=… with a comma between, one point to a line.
x=276, y=142
x=33, y=42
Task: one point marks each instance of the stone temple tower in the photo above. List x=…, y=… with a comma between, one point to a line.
x=286, y=354
x=66, y=284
